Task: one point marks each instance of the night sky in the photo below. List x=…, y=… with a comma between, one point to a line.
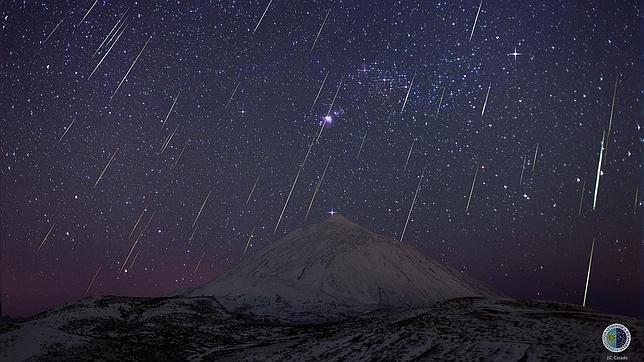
x=217, y=104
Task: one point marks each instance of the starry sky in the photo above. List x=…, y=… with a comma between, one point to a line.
x=143, y=143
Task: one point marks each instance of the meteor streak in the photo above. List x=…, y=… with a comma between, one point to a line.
x=46, y=236
x=131, y=66
x=248, y=241
x=87, y=13
x=472, y=189
x=180, y=154
x=253, y=189
x=260, y=19
x=411, y=84
x=171, y=108
x=287, y=199
x=409, y=154
x=599, y=171
x=169, y=139
x=231, y=96
x=487, y=95
x=522, y=169
x=581, y=201
x=637, y=192
x=193, y=234
x=319, y=31
x=612, y=108
x=534, y=160
x=475, y=20
x=66, y=129
x=107, y=52
x=110, y=33
x=317, y=188
x=202, y=205
x=105, y=169
x=335, y=96
x=439, y=103
x=136, y=224
x=412, y=205
x=319, y=91
x=361, y=144
x=199, y=263
x=590, y=262
x=93, y=278
x=52, y=32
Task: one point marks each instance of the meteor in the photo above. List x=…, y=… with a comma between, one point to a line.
x=335, y=96
x=248, y=241
x=637, y=191
x=581, y=201
x=590, y=262
x=534, y=161
x=412, y=205
x=411, y=84
x=199, y=263
x=253, y=189
x=131, y=66
x=319, y=31
x=612, y=108
x=193, y=234
x=472, y=189
x=487, y=95
x=231, y=96
x=87, y=13
x=106, y=166
x=599, y=171
x=137, y=223
x=409, y=155
x=361, y=144
x=131, y=250
x=439, y=103
x=169, y=139
x=93, y=278
x=107, y=52
x=110, y=33
x=522, y=169
x=66, y=129
x=287, y=199
x=201, y=209
x=475, y=20
x=317, y=188
x=260, y=19
x=319, y=91
x=46, y=236
x=171, y=108
x=52, y=32
x=180, y=154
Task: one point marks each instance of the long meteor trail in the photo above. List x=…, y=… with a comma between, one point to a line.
x=52, y=32
x=411, y=149
x=475, y=20
x=107, y=52
x=411, y=84
x=534, y=160
x=93, y=278
x=319, y=91
x=252, y=190
x=412, y=205
x=260, y=19
x=118, y=23
x=46, y=236
x=131, y=66
x=171, y=108
x=248, y=241
x=581, y=200
x=599, y=171
x=317, y=188
x=87, y=13
x=66, y=130
x=320, y=31
x=590, y=262
x=106, y=166
x=487, y=95
x=201, y=209
x=361, y=144
x=232, y=95
x=469, y=199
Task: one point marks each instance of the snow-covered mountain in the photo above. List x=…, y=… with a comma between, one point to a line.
x=337, y=266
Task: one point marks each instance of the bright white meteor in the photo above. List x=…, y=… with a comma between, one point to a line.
x=590, y=262
x=411, y=149
x=260, y=19
x=52, y=32
x=469, y=199
x=131, y=66
x=475, y=20
x=599, y=171
x=440, y=103
x=319, y=91
x=486, y=97
x=87, y=13
x=411, y=84
x=319, y=31
x=46, y=236
x=171, y=108
x=66, y=129
x=201, y=209
x=108, y=51
x=105, y=169
x=232, y=95
x=361, y=144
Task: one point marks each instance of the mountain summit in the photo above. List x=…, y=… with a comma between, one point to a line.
x=337, y=263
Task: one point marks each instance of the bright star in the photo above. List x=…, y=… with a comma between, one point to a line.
x=515, y=54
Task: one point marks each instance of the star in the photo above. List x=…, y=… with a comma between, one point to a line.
x=515, y=54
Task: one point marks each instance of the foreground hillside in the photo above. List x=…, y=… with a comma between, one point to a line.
x=118, y=328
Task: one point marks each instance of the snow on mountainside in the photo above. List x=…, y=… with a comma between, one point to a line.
x=334, y=265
